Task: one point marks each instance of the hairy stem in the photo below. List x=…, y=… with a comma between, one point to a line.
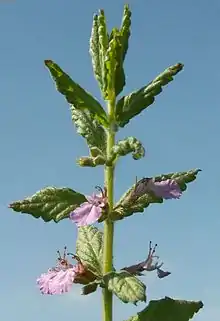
x=108, y=224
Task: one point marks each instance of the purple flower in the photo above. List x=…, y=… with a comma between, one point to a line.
x=167, y=189
x=89, y=212
x=148, y=265
x=60, y=279
x=56, y=281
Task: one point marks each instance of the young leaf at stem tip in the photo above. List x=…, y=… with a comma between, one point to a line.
x=168, y=309
x=131, y=105
x=125, y=286
x=115, y=55
x=126, y=146
x=89, y=247
x=50, y=203
x=124, y=34
x=108, y=53
x=76, y=95
x=127, y=206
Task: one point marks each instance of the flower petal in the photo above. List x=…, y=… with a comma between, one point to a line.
x=56, y=282
x=80, y=212
x=167, y=189
x=91, y=216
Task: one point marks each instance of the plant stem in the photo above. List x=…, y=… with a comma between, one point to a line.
x=108, y=224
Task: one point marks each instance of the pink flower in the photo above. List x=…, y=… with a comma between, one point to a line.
x=167, y=189
x=89, y=212
x=60, y=279
x=56, y=281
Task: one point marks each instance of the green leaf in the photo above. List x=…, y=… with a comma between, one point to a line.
x=114, y=65
x=168, y=309
x=126, y=146
x=125, y=30
x=95, y=52
x=89, y=128
x=122, y=50
x=50, y=203
x=126, y=206
x=101, y=42
x=98, y=48
x=108, y=53
x=131, y=105
x=75, y=94
x=125, y=286
x=89, y=248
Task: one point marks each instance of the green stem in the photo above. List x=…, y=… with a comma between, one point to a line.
x=108, y=224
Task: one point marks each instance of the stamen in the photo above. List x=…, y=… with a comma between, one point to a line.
x=74, y=256
x=154, y=250
x=64, y=252
x=100, y=190
x=59, y=255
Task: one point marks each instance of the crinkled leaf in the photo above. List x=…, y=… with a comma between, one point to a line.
x=125, y=30
x=108, y=53
x=125, y=286
x=95, y=52
x=50, y=203
x=126, y=206
x=114, y=65
x=89, y=128
x=98, y=47
x=76, y=95
x=89, y=248
x=126, y=146
x=131, y=105
x=123, y=36
x=168, y=309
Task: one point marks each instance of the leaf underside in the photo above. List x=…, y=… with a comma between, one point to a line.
x=168, y=309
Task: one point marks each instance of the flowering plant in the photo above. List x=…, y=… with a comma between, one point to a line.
x=94, y=266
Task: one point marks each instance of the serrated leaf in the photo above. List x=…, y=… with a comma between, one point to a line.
x=108, y=53
x=125, y=30
x=121, y=54
x=114, y=65
x=126, y=146
x=125, y=286
x=131, y=105
x=126, y=206
x=103, y=39
x=89, y=128
x=168, y=309
x=50, y=203
x=95, y=52
x=75, y=94
x=89, y=248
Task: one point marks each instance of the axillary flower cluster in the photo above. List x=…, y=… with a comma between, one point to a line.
x=59, y=279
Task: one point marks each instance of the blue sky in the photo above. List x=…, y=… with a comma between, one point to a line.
x=39, y=147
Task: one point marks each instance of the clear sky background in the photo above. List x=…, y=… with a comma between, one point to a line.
x=39, y=146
